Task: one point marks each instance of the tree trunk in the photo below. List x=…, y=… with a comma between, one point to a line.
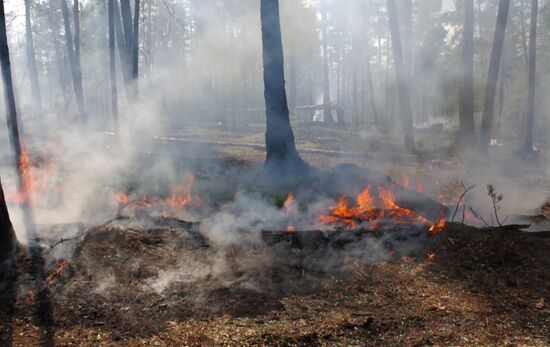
x=73, y=62
x=368, y=69
x=112, y=66
x=532, y=76
x=126, y=13
x=492, y=78
x=467, y=88
x=122, y=49
x=281, y=149
x=11, y=117
x=407, y=14
x=31, y=61
x=7, y=236
x=76, y=16
x=293, y=84
x=135, y=44
x=327, y=111
x=401, y=76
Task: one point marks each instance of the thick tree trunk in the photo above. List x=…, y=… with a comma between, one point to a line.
x=326, y=71
x=73, y=62
x=112, y=66
x=401, y=76
x=467, y=88
x=532, y=76
x=281, y=149
x=492, y=78
x=31, y=61
x=7, y=236
x=11, y=117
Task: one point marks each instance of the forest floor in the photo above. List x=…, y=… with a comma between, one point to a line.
x=482, y=288
x=158, y=281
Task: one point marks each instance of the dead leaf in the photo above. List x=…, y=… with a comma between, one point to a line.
x=540, y=304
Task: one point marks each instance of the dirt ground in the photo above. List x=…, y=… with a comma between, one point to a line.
x=160, y=282
x=461, y=287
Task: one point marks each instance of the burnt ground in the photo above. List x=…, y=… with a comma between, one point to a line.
x=161, y=282
x=158, y=282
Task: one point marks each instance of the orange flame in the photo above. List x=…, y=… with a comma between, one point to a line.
x=374, y=210
x=34, y=181
x=289, y=204
x=439, y=226
x=57, y=273
x=180, y=197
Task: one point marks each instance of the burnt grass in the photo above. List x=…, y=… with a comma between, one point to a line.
x=484, y=287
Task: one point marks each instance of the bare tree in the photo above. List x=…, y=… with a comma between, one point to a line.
x=121, y=42
x=31, y=60
x=73, y=62
x=467, y=87
x=279, y=138
x=76, y=16
x=401, y=76
x=492, y=78
x=135, y=43
x=127, y=26
x=532, y=76
x=112, y=65
x=327, y=107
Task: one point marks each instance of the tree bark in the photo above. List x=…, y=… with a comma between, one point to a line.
x=467, y=89
x=76, y=16
x=112, y=66
x=368, y=69
x=7, y=235
x=31, y=61
x=532, y=76
x=401, y=76
x=135, y=44
x=73, y=62
x=281, y=149
x=128, y=32
x=407, y=13
x=293, y=83
x=492, y=78
x=123, y=53
x=327, y=112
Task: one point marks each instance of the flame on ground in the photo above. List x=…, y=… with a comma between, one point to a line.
x=289, y=206
x=57, y=273
x=375, y=209
x=35, y=181
x=180, y=198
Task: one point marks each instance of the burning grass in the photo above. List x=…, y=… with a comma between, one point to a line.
x=375, y=210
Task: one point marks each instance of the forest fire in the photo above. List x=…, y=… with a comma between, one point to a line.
x=34, y=181
x=375, y=209
x=181, y=197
